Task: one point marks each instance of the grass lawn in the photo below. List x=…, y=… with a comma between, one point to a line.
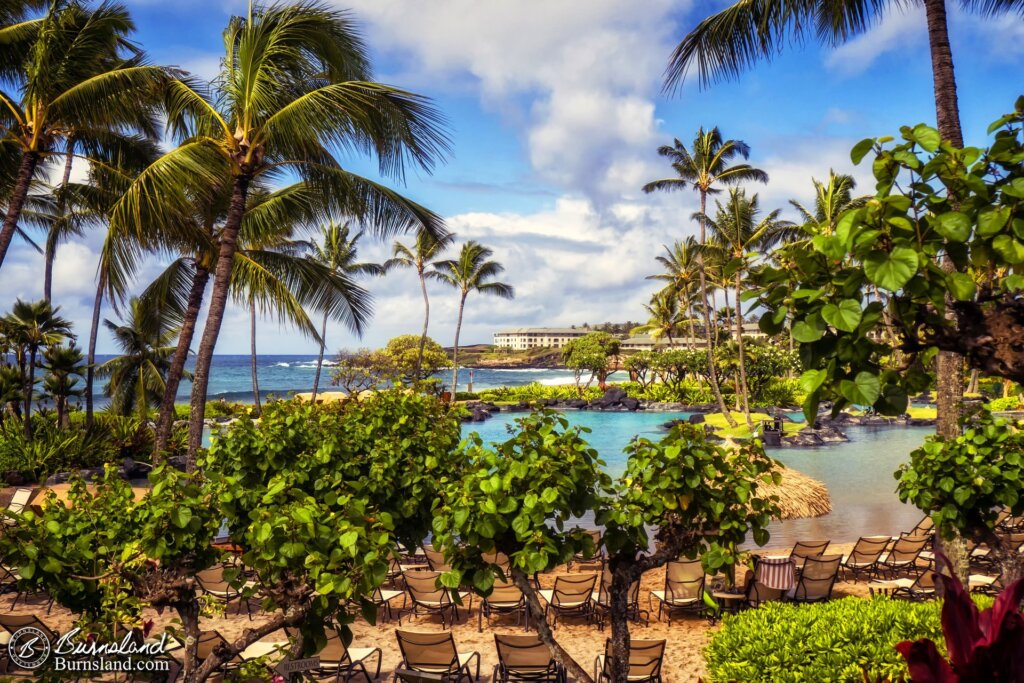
x=741, y=431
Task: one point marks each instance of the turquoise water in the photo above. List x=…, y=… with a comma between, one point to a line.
x=858, y=474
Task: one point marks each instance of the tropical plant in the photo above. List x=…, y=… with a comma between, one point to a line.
x=419, y=257
x=666, y=318
x=29, y=328
x=78, y=80
x=472, y=271
x=137, y=377
x=741, y=234
x=403, y=355
x=337, y=250
x=681, y=277
x=64, y=365
x=590, y=354
x=831, y=200
x=293, y=90
x=704, y=167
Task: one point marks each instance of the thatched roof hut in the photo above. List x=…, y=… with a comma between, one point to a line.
x=799, y=495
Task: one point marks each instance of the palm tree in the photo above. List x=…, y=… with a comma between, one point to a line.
x=681, y=277
x=137, y=377
x=294, y=88
x=419, y=257
x=666, y=319
x=338, y=251
x=831, y=200
x=64, y=366
x=704, y=167
x=79, y=79
x=740, y=233
x=471, y=272
x=32, y=326
x=726, y=43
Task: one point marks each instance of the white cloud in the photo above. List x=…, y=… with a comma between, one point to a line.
x=899, y=31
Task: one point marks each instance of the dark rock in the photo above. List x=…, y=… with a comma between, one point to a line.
x=696, y=419
x=630, y=403
x=576, y=403
x=177, y=462
x=15, y=478
x=91, y=473
x=135, y=470
x=58, y=478
x=672, y=423
x=820, y=435
x=612, y=397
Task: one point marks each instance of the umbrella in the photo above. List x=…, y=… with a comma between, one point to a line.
x=799, y=496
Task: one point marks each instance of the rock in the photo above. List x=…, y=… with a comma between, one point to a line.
x=91, y=473
x=820, y=435
x=135, y=470
x=177, y=462
x=15, y=478
x=672, y=423
x=576, y=403
x=58, y=478
x=696, y=419
x=612, y=397
x=630, y=404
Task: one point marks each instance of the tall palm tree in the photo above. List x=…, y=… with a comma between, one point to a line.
x=293, y=90
x=740, y=232
x=736, y=38
x=137, y=376
x=704, y=167
x=78, y=78
x=832, y=199
x=665, y=318
x=681, y=276
x=32, y=326
x=64, y=366
x=472, y=271
x=419, y=257
x=337, y=249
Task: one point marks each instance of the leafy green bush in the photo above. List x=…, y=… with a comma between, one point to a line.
x=778, y=392
x=1009, y=403
x=536, y=391
x=466, y=396
x=839, y=640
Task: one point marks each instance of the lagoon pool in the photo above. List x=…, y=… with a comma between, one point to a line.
x=858, y=474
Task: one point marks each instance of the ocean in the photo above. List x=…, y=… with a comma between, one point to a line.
x=282, y=375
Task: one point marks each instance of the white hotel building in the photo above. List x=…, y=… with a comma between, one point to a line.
x=522, y=338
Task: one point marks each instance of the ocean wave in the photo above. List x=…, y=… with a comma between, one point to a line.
x=281, y=365
x=558, y=381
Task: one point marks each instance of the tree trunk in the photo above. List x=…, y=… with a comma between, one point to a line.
x=252, y=350
x=165, y=420
x=455, y=349
x=215, y=317
x=558, y=653
x=972, y=385
x=188, y=612
x=712, y=373
x=90, y=358
x=29, y=161
x=319, y=360
x=30, y=383
x=618, y=609
x=51, y=241
x=742, y=389
x=426, y=322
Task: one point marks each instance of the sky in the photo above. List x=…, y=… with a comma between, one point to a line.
x=555, y=111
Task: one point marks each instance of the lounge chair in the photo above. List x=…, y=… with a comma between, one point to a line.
x=17, y=505
x=435, y=559
x=500, y=559
x=598, y=556
x=817, y=578
x=382, y=598
x=645, y=660
x=428, y=597
x=805, y=549
x=212, y=583
x=863, y=559
x=983, y=583
x=603, y=600
x=345, y=662
x=903, y=557
x=926, y=527
x=684, y=589
x=572, y=595
x=435, y=653
x=757, y=593
x=505, y=598
x=917, y=589
x=525, y=659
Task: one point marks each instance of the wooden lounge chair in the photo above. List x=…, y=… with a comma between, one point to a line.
x=212, y=583
x=684, y=589
x=863, y=559
x=346, y=662
x=804, y=549
x=17, y=505
x=645, y=660
x=817, y=578
x=429, y=597
x=572, y=595
x=525, y=659
x=435, y=653
x=904, y=557
x=505, y=598
x=603, y=600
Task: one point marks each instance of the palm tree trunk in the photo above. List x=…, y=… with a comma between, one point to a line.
x=215, y=317
x=90, y=358
x=455, y=349
x=319, y=360
x=29, y=161
x=252, y=349
x=742, y=389
x=972, y=385
x=690, y=314
x=426, y=322
x=51, y=241
x=712, y=373
x=30, y=383
x=165, y=420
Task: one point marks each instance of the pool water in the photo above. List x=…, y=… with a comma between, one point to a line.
x=858, y=474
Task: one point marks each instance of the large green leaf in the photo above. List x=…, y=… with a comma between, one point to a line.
x=891, y=270
x=810, y=380
x=992, y=221
x=961, y=286
x=864, y=389
x=861, y=149
x=926, y=136
x=806, y=332
x=845, y=316
x=955, y=226
x=1009, y=248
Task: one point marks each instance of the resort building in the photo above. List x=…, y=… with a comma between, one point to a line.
x=522, y=338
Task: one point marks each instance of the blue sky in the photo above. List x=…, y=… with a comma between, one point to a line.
x=555, y=112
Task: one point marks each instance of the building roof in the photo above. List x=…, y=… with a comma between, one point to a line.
x=545, y=330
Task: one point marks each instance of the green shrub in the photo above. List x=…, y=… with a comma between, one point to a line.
x=466, y=396
x=839, y=640
x=778, y=392
x=536, y=391
x=1009, y=403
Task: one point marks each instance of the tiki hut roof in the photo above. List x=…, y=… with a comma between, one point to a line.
x=799, y=495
